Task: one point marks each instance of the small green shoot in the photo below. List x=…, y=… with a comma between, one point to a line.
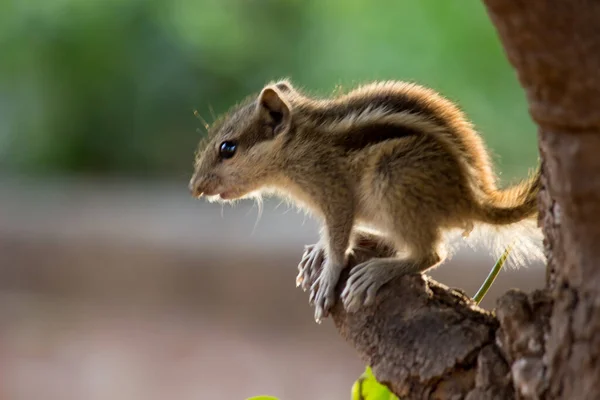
x=492, y=276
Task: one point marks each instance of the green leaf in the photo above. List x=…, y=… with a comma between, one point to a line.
x=366, y=387
x=262, y=398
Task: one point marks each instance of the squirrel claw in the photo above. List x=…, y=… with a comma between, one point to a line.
x=323, y=292
x=363, y=283
x=310, y=266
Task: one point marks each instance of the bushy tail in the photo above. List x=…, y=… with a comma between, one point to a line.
x=513, y=204
x=507, y=219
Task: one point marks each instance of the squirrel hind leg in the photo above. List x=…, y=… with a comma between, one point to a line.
x=366, y=245
x=367, y=278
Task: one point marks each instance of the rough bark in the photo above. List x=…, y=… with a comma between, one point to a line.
x=426, y=341
x=555, y=48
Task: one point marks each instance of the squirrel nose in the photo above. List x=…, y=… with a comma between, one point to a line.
x=194, y=187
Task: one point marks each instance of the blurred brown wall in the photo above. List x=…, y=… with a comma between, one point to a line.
x=127, y=290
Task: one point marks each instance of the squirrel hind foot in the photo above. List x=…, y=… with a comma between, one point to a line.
x=367, y=278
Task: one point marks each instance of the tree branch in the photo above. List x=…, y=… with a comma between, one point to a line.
x=425, y=340
x=420, y=337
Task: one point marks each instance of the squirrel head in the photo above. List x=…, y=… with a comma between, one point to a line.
x=240, y=156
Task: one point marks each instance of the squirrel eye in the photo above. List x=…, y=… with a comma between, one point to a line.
x=227, y=149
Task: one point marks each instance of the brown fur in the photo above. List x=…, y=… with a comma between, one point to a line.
x=392, y=157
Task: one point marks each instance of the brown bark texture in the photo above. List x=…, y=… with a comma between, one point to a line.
x=427, y=341
x=555, y=49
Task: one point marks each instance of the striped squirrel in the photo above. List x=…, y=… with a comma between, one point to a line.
x=392, y=162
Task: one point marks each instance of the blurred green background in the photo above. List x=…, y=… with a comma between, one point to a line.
x=109, y=87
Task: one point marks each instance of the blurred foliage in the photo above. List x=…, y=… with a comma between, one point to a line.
x=110, y=86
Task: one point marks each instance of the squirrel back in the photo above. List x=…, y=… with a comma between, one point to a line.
x=503, y=217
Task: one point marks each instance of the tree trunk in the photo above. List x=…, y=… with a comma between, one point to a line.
x=555, y=48
x=425, y=341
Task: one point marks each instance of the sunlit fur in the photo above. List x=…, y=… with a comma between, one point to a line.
x=391, y=157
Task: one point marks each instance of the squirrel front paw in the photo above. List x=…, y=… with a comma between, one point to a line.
x=310, y=266
x=322, y=293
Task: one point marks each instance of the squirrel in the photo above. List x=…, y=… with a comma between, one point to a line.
x=388, y=162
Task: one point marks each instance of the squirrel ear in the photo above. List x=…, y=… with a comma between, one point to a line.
x=284, y=86
x=274, y=109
